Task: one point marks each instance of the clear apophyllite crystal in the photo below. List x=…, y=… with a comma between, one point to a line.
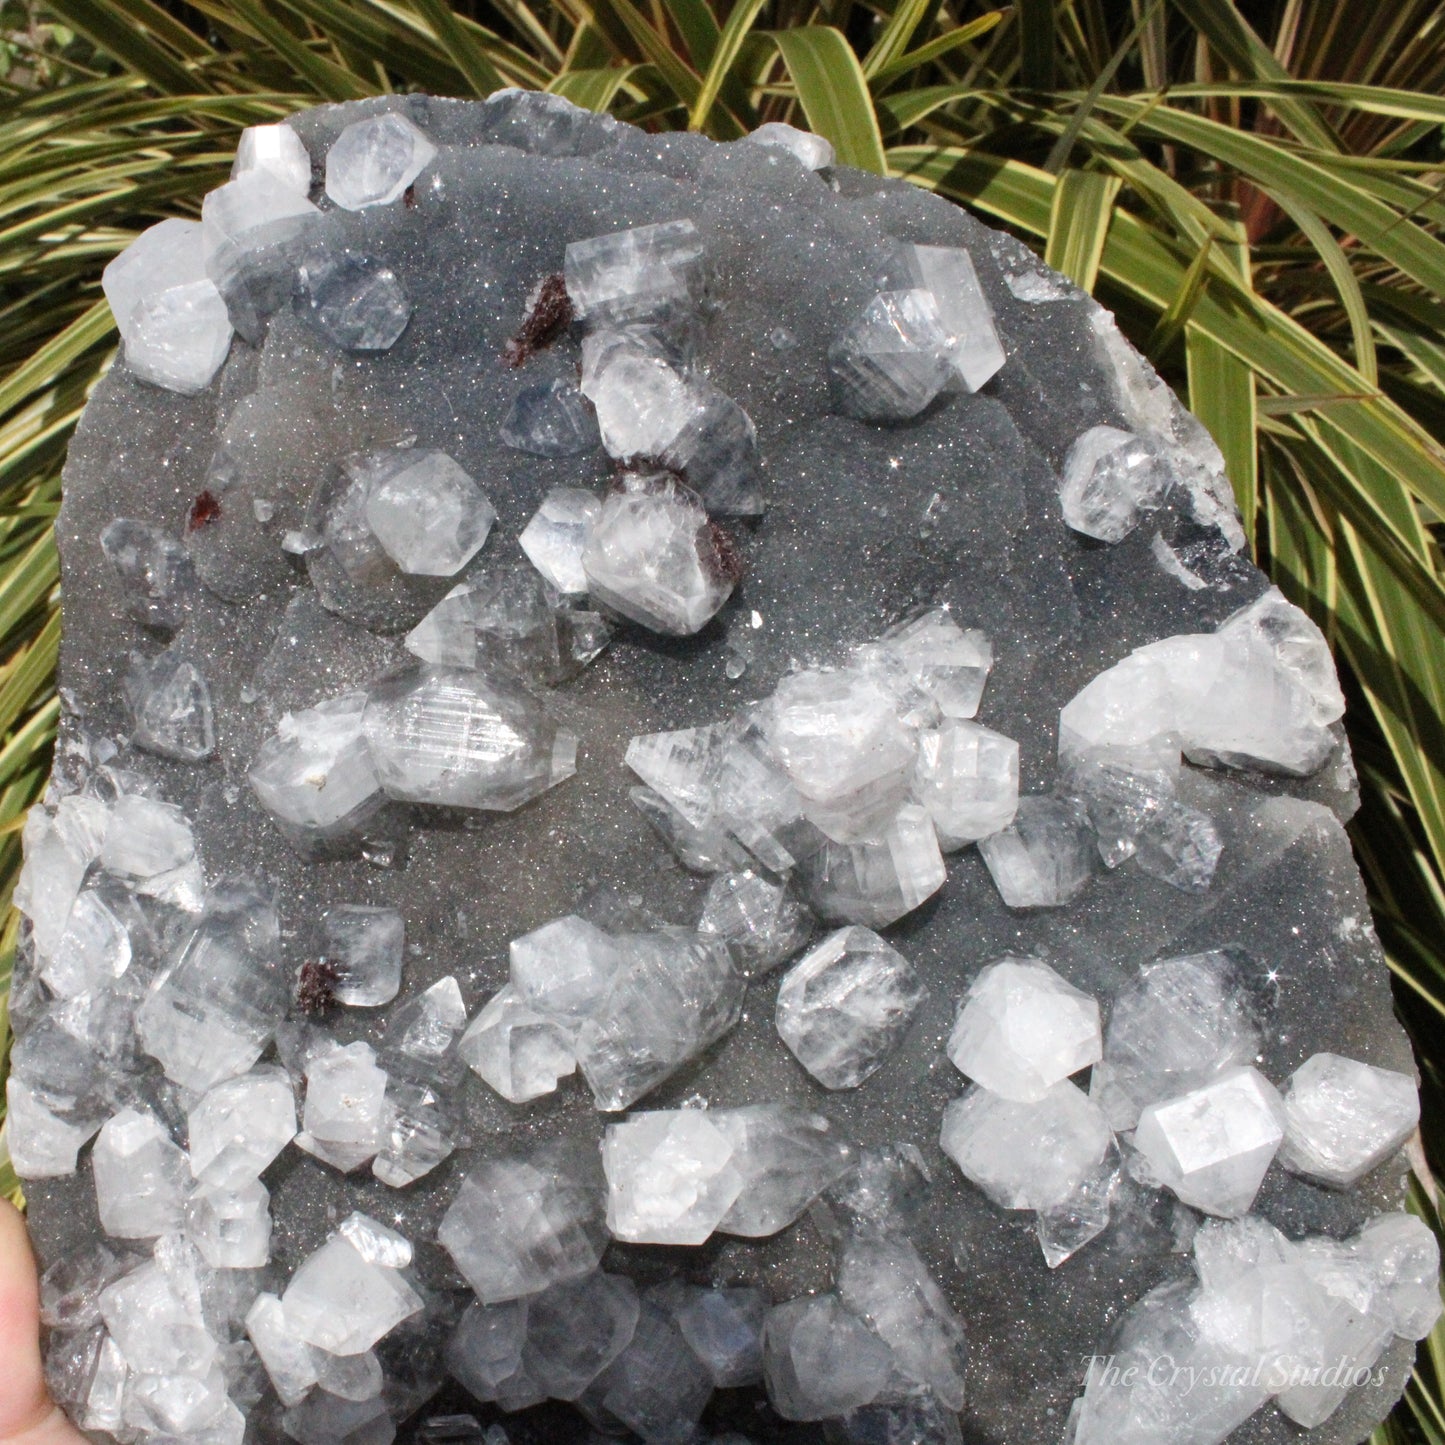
x=170, y=315
x=289, y=1361
x=276, y=150
x=94, y=951
x=657, y=1387
x=893, y=360
x=315, y=775
x=1111, y=480
x=875, y=883
x=1035, y=1155
x=814, y=152
x=464, y=739
x=342, y=1302
x=373, y=161
x=674, y=994
x=821, y=1360
x=214, y=1010
x=170, y=707
x=671, y=1177
x=423, y=1036
x=522, y=1222
x=1344, y=1117
x=418, y=1132
x=146, y=839
x=575, y=1330
x=428, y=514
x=1043, y=858
x=652, y=556
x=231, y=1227
x=947, y=273
x=724, y=1328
x=846, y=1005
x=366, y=946
x=237, y=1128
x=142, y=1177
x=760, y=920
x=153, y=570
x=1179, y=1024
x=565, y=967
x=1023, y=1029
x=345, y=1110
x=550, y=419
x=353, y=300
x=1213, y=1145
x=635, y=275
x=484, y=1354
x=520, y=1052
x=556, y=535
x=967, y=780
x=948, y=663
x=787, y=1157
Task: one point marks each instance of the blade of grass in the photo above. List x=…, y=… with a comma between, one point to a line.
x=833, y=92
x=1081, y=211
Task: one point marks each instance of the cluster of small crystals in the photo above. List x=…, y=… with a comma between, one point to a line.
x=165, y=1027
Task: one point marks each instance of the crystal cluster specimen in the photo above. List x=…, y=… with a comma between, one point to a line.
x=949, y=925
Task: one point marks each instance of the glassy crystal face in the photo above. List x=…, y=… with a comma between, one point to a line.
x=152, y=570
x=431, y=517
x=761, y=922
x=142, y=1179
x=635, y=275
x=1023, y=1029
x=893, y=360
x=365, y=945
x=345, y=1110
x=551, y=419
x=846, y=1005
x=463, y=739
x=556, y=537
x=237, y=1128
x=874, y=884
x=523, y=1222
x=373, y=161
x=342, y=1302
x=967, y=780
x=520, y=1052
x=354, y=301
x=1111, y=481
x=170, y=706
x=670, y=1177
x=1213, y=1145
x=1344, y=1118
x=820, y=1360
x=813, y=152
x=1043, y=858
x=168, y=311
x=653, y=557
x=276, y=150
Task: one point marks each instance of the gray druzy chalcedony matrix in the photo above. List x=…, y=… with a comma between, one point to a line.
x=953, y=675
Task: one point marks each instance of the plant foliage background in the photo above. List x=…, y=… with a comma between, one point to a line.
x=1258, y=191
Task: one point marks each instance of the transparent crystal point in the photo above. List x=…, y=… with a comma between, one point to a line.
x=343, y=1303
x=277, y=150
x=820, y=1359
x=875, y=883
x=967, y=779
x=565, y=967
x=947, y=273
x=893, y=360
x=153, y=571
x=520, y=1053
x=1043, y=858
x=345, y=1109
x=550, y=419
x=428, y=514
x=1344, y=1117
x=1112, y=479
x=761, y=921
x=142, y=1177
x=355, y=301
x=366, y=946
x=671, y=1177
x=555, y=537
x=237, y=1128
x=786, y=1157
x=373, y=161
x=170, y=707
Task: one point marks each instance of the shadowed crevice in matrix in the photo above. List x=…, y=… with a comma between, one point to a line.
x=566, y=900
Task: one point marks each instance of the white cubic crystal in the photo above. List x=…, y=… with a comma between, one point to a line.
x=761, y=922
x=213, y=1011
x=1298, y=646
x=365, y=946
x=231, y=1227
x=846, y=1005
x=820, y=1360
x=893, y=360
x=1111, y=480
x=464, y=739
x=240, y=1126
x=1043, y=858
x=1023, y=1029
x=373, y=161
x=675, y=994
x=634, y=275
x=967, y=779
x=885, y=1282
x=670, y=1177
x=556, y=536
x=876, y=883
x=1343, y=1118
x=142, y=1177
x=343, y=1303
x=786, y=1157
x=1213, y=1145
x=1181, y=1023
x=521, y=1053
x=431, y=517
x=277, y=150
x=169, y=313
x=59, y=848
x=523, y=1222
x=345, y=1107
x=643, y=403
x=315, y=776
x=422, y=1036
x=1036, y=1155
x=653, y=557
x=155, y=1318
x=170, y=707
x=844, y=748
x=565, y=967
x=812, y=152
x=947, y=273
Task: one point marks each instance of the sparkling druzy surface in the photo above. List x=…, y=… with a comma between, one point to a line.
x=866, y=524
